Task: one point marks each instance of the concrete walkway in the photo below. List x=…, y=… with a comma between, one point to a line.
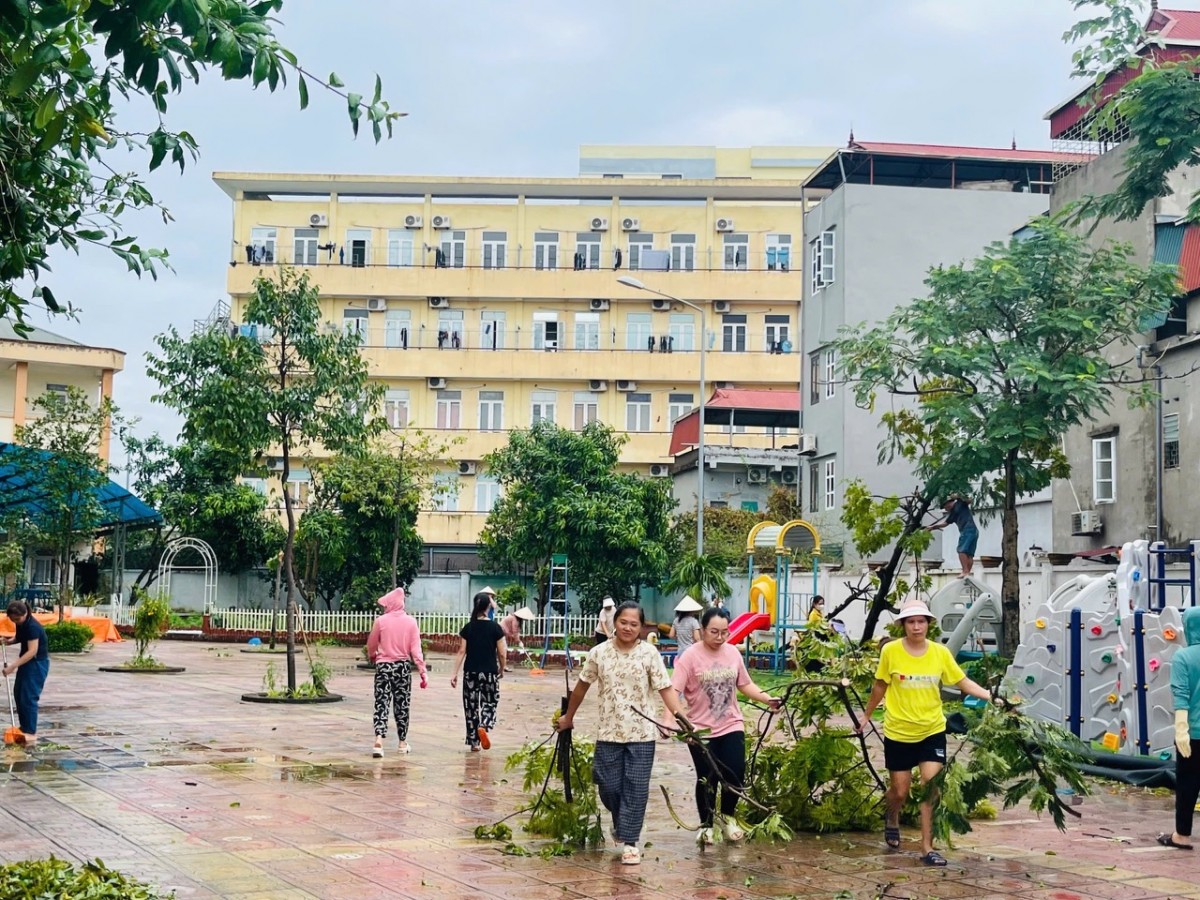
x=174, y=780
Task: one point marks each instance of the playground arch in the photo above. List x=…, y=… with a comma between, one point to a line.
x=167, y=565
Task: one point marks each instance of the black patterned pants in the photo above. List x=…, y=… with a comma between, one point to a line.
x=481, y=699
x=393, y=688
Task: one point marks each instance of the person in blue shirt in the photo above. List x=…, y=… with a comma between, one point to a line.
x=31, y=667
x=1185, y=691
x=958, y=512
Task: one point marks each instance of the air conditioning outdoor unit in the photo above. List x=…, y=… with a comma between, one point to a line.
x=723, y=385
x=596, y=385
x=599, y=223
x=377, y=304
x=756, y=475
x=724, y=224
x=318, y=220
x=789, y=476
x=660, y=304
x=550, y=345
x=441, y=221
x=412, y=221
x=436, y=384
x=627, y=387
x=808, y=445
x=660, y=470
x=722, y=306
x=439, y=302
x=631, y=224
x=1086, y=521
x=466, y=468
x=598, y=305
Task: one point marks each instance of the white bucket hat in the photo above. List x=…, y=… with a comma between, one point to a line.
x=524, y=613
x=687, y=604
x=915, y=608
x=607, y=602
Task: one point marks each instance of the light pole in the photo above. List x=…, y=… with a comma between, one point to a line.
x=630, y=281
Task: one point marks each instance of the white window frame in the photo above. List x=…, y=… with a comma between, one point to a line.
x=354, y=321
x=545, y=250
x=779, y=252
x=734, y=333
x=358, y=234
x=587, y=331
x=487, y=493
x=542, y=333
x=1171, y=460
x=491, y=329
x=543, y=407
x=1104, y=450
x=828, y=256
x=494, y=249
x=395, y=408
x=830, y=468
x=400, y=245
x=454, y=247
x=638, y=408
x=736, y=252
x=639, y=324
x=452, y=322
x=683, y=252
x=585, y=409
x=445, y=492
x=638, y=243
x=394, y=322
x=304, y=246
x=449, y=410
x=491, y=410
x=678, y=407
x=265, y=238
x=681, y=328
x=830, y=372
x=776, y=332
x=589, y=244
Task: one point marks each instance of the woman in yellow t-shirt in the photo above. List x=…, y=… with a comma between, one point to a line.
x=911, y=672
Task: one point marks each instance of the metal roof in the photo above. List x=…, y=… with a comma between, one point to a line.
x=765, y=409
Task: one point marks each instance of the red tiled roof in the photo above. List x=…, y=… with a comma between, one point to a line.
x=1175, y=24
x=950, y=151
x=1189, y=260
x=685, y=433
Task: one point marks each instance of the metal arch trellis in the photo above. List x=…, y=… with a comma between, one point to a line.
x=167, y=565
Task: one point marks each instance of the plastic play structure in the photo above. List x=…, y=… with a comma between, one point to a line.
x=971, y=619
x=774, y=605
x=1096, y=655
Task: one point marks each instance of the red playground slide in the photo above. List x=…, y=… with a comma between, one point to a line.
x=746, y=623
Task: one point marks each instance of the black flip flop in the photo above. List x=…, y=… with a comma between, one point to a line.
x=891, y=836
x=1167, y=841
x=933, y=858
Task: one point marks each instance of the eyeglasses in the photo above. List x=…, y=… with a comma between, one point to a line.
x=717, y=634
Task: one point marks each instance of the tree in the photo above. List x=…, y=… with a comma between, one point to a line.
x=699, y=576
x=60, y=474
x=1008, y=352
x=561, y=493
x=67, y=69
x=300, y=390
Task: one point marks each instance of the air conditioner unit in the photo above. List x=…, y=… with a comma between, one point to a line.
x=436, y=384
x=722, y=306
x=441, y=221
x=723, y=385
x=627, y=387
x=598, y=305
x=756, y=475
x=413, y=221
x=466, y=468
x=599, y=223
x=660, y=304
x=789, y=476
x=550, y=345
x=631, y=224
x=377, y=304
x=660, y=470
x=439, y=302
x=596, y=385
x=808, y=445
x=318, y=220
x=724, y=224
x=1086, y=521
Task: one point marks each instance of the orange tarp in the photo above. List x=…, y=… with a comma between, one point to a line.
x=102, y=628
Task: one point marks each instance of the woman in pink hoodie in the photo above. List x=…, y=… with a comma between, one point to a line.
x=394, y=647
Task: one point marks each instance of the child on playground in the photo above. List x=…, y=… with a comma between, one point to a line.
x=627, y=672
x=911, y=672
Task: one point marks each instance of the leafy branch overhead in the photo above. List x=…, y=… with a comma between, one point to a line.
x=68, y=72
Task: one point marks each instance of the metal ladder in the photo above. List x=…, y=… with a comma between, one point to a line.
x=557, y=609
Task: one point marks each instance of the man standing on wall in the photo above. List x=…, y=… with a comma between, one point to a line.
x=958, y=512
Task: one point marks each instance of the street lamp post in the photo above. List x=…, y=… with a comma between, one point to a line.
x=630, y=281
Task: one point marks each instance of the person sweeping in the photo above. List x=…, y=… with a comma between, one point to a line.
x=394, y=646
x=483, y=657
x=31, y=667
x=1185, y=692
x=511, y=626
x=910, y=674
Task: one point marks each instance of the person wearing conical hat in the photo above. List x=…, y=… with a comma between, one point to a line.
x=911, y=673
x=604, y=622
x=686, y=627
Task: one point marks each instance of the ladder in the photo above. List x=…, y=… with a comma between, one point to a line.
x=557, y=609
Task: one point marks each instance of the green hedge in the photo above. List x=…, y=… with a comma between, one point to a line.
x=68, y=637
x=57, y=878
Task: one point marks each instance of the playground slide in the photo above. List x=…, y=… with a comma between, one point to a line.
x=746, y=623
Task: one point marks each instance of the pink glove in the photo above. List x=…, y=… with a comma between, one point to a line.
x=424, y=682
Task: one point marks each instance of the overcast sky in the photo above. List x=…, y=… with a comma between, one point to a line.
x=514, y=87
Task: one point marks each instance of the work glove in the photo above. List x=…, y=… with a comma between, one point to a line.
x=1183, y=736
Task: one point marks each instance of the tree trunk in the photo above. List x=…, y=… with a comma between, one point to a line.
x=1010, y=583
x=881, y=603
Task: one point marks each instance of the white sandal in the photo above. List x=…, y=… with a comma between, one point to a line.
x=631, y=855
x=377, y=750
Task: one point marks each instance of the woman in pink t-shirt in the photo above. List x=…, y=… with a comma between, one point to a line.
x=709, y=675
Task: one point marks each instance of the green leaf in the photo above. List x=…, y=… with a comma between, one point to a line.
x=334, y=81
x=22, y=79
x=303, y=86
x=46, y=109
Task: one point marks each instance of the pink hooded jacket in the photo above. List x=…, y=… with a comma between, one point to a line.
x=395, y=635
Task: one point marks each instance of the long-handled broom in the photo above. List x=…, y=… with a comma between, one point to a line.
x=14, y=734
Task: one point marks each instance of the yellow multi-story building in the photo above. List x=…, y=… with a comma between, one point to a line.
x=488, y=304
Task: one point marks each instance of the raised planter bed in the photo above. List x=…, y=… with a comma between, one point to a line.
x=144, y=670
x=259, y=697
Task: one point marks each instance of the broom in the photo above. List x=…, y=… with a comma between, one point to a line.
x=12, y=735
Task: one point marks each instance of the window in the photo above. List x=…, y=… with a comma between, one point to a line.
x=445, y=492
x=258, y=485
x=449, y=409
x=494, y=245
x=733, y=333
x=1104, y=470
x=396, y=324
x=587, y=331
x=638, y=243
x=683, y=252
x=491, y=324
x=304, y=246
x=542, y=408
x=354, y=321
x=778, y=334
x=395, y=409
x=637, y=331
x=587, y=250
x=814, y=486
x=45, y=570
x=779, y=252
x=545, y=249
x=400, y=247
x=491, y=410
x=450, y=329
x=830, y=484
x=822, y=259
x=298, y=484
x=679, y=405
x=545, y=331
x=358, y=247
x=637, y=412
x=487, y=493
x=737, y=251
x=1170, y=438
x=830, y=372
x=814, y=378
x=681, y=328
x=59, y=390
x=453, y=250
x=262, y=247
x=586, y=409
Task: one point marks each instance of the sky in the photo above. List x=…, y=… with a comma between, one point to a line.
x=514, y=87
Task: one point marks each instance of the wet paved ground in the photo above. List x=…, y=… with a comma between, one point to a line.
x=174, y=780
